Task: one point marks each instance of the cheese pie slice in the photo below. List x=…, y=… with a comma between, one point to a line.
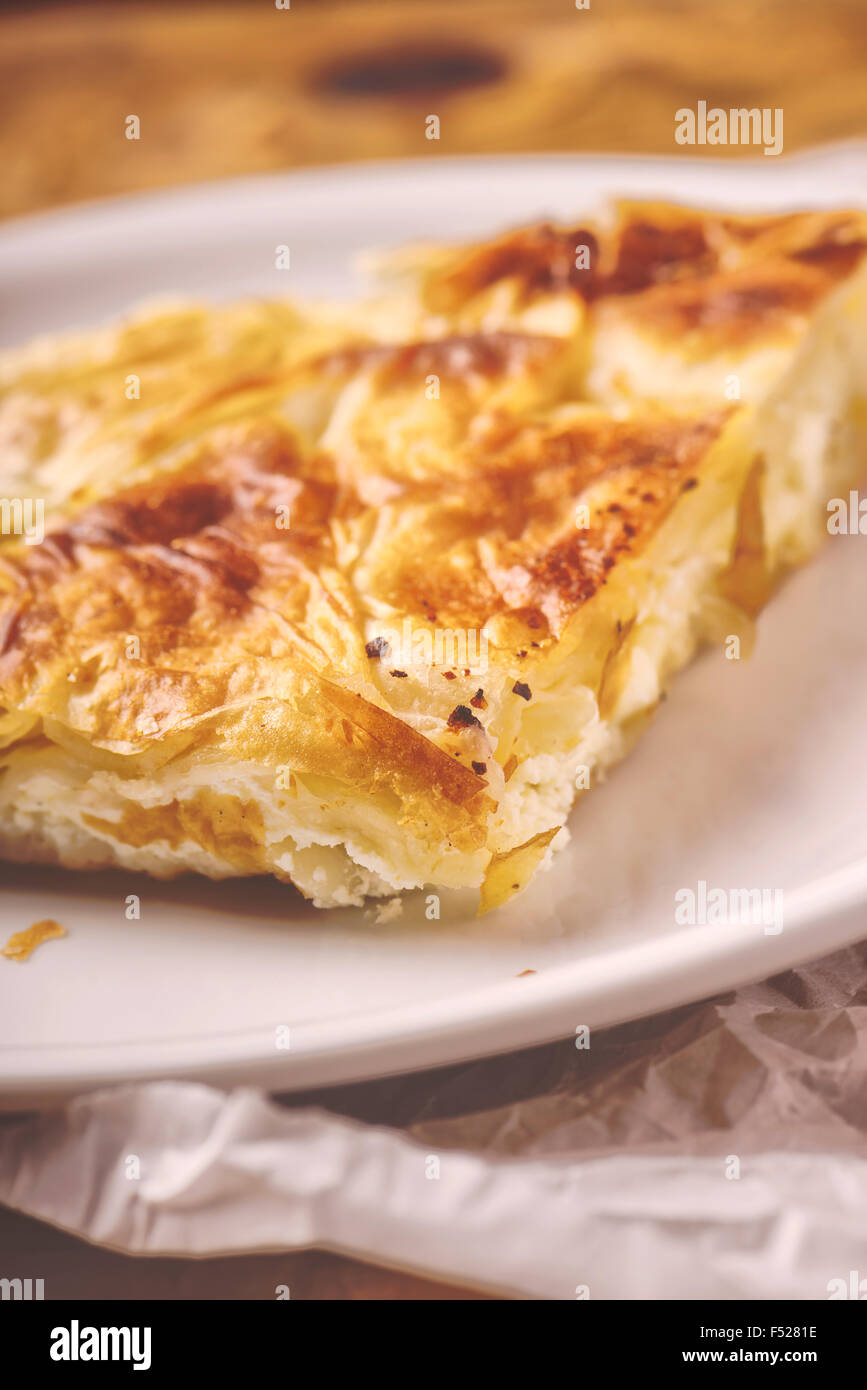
x=363, y=598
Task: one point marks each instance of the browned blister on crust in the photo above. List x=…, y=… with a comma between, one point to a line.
x=676, y=265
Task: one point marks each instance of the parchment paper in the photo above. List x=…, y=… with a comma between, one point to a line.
x=717, y=1151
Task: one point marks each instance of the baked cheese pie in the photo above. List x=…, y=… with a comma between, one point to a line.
x=364, y=596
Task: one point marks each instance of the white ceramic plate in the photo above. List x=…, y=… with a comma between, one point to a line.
x=752, y=775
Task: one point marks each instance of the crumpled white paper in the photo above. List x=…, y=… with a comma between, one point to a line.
x=230, y=1174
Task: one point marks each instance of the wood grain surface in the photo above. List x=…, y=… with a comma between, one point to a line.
x=233, y=88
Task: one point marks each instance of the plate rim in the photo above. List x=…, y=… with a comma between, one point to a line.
x=437, y=164
x=464, y=1028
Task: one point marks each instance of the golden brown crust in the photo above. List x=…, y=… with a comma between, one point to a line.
x=196, y=567
x=177, y=617
x=173, y=611
x=507, y=536
x=727, y=280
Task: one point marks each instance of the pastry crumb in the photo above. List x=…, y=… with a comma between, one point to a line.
x=22, y=944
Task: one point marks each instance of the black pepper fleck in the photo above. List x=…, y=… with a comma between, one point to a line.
x=377, y=649
x=463, y=718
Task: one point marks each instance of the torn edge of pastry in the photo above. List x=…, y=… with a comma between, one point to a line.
x=510, y=872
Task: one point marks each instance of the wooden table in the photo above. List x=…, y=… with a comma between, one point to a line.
x=236, y=88
x=226, y=89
